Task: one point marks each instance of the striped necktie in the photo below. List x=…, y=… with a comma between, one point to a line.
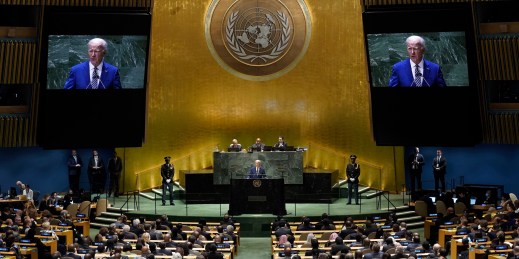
x=417, y=77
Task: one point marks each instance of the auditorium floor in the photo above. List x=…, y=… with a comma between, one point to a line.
x=339, y=207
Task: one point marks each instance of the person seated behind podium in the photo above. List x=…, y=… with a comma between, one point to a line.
x=258, y=145
x=257, y=171
x=235, y=144
x=416, y=71
x=95, y=73
x=281, y=144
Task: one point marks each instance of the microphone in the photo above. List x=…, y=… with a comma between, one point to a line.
x=96, y=77
x=420, y=75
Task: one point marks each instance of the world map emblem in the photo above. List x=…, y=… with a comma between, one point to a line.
x=258, y=39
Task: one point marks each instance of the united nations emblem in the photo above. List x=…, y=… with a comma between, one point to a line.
x=258, y=39
x=256, y=183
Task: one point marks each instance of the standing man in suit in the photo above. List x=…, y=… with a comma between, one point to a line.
x=416, y=162
x=439, y=170
x=167, y=171
x=416, y=71
x=96, y=173
x=257, y=171
x=74, y=164
x=353, y=173
x=115, y=166
x=95, y=73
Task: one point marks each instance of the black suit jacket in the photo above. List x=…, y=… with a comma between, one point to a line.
x=416, y=162
x=100, y=165
x=75, y=256
x=353, y=171
x=115, y=166
x=439, y=166
x=72, y=168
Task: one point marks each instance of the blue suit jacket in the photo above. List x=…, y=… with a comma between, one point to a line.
x=254, y=175
x=402, y=75
x=79, y=77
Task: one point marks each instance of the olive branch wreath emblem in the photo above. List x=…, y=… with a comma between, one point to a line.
x=240, y=52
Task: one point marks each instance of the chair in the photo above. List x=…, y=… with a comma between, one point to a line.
x=459, y=208
x=102, y=205
x=372, y=235
x=391, y=250
x=441, y=207
x=303, y=236
x=326, y=236
x=84, y=208
x=186, y=228
x=420, y=208
x=55, y=222
x=72, y=209
x=513, y=197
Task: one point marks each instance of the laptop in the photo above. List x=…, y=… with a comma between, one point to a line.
x=268, y=148
x=233, y=149
x=473, y=201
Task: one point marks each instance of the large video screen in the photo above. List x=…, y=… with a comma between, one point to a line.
x=69, y=53
x=422, y=74
x=93, y=77
x=447, y=50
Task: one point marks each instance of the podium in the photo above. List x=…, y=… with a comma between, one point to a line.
x=257, y=196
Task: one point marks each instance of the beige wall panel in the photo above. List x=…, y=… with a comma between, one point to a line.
x=322, y=104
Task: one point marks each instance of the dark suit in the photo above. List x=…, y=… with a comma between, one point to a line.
x=439, y=170
x=257, y=146
x=74, y=172
x=79, y=77
x=281, y=145
x=256, y=174
x=167, y=171
x=164, y=252
x=216, y=255
x=402, y=74
x=353, y=172
x=75, y=256
x=97, y=175
x=416, y=162
x=115, y=166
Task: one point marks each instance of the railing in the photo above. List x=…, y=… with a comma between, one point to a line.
x=318, y=156
x=136, y=201
x=378, y=202
x=198, y=159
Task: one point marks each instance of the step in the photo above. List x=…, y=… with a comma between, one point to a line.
x=105, y=220
x=374, y=194
x=151, y=195
x=404, y=213
x=118, y=210
x=416, y=225
x=411, y=219
x=98, y=225
x=363, y=189
x=401, y=208
x=111, y=214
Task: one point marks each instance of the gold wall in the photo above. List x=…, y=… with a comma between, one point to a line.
x=322, y=104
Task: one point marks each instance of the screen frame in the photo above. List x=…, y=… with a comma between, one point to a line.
x=407, y=116
x=65, y=116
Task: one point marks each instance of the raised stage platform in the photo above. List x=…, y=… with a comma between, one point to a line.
x=147, y=205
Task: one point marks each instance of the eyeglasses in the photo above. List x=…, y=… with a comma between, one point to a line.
x=95, y=51
x=414, y=49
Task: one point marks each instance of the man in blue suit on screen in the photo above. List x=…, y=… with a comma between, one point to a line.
x=416, y=71
x=257, y=171
x=95, y=73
